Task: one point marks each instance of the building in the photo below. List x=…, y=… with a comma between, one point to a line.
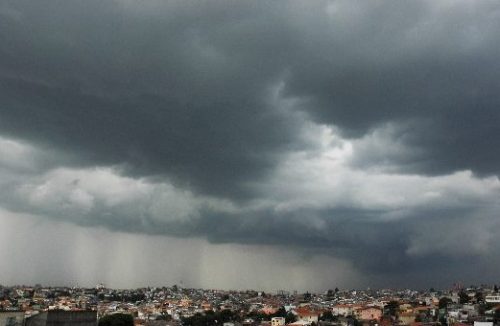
x=11, y=318
x=369, y=313
x=277, y=321
x=492, y=298
x=483, y=323
x=300, y=323
x=63, y=318
x=304, y=314
x=345, y=309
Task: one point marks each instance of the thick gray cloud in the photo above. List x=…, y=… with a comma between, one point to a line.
x=168, y=90
x=432, y=67
x=121, y=83
x=361, y=131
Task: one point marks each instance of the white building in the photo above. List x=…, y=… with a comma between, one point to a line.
x=492, y=298
x=277, y=321
x=483, y=323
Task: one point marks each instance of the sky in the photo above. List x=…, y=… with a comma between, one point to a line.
x=300, y=145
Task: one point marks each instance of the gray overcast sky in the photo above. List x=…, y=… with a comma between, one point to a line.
x=284, y=144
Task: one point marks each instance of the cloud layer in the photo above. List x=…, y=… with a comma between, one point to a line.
x=363, y=132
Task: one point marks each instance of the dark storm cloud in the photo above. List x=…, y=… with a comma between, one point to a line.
x=433, y=66
x=211, y=145
x=178, y=89
x=204, y=106
x=173, y=90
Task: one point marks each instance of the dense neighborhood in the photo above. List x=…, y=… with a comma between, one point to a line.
x=175, y=305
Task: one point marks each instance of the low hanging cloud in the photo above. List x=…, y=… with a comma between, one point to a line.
x=316, y=201
x=361, y=131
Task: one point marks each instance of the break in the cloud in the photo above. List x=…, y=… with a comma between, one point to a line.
x=361, y=132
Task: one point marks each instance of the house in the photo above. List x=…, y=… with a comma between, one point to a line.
x=269, y=309
x=407, y=317
x=300, y=323
x=304, y=314
x=369, y=313
x=277, y=321
x=344, y=309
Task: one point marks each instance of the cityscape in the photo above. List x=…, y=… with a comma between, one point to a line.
x=175, y=305
x=249, y=163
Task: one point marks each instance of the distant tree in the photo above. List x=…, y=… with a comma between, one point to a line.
x=479, y=297
x=495, y=289
x=483, y=307
x=327, y=316
x=351, y=321
x=290, y=318
x=257, y=315
x=443, y=302
x=196, y=320
x=391, y=308
x=211, y=318
x=281, y=312
x=164, y=316
x=226, y=315
x=463, y=297
x=496, y=316
x=117, y=320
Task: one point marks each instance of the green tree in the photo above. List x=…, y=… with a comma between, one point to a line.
x=327, y=316
x=290, y=318
x=463, y=297
x=443, y=302
x=164, y=316
x=211, y=318
x=281, y=312
x=496, y=316
x=391, y=308
x=479, y=297
x=117, y=320
x=351, y=321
